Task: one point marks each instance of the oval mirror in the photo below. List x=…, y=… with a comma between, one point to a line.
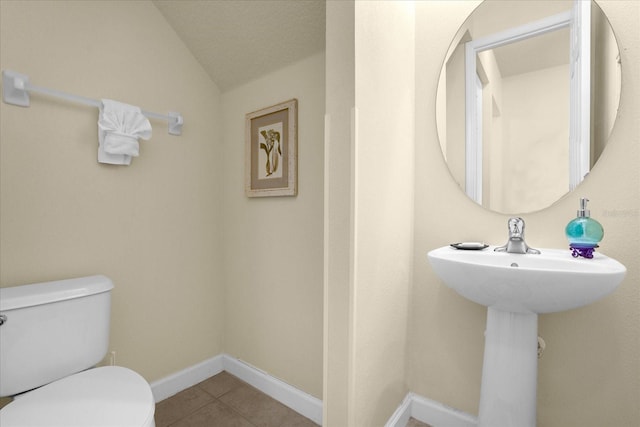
x=527, y=98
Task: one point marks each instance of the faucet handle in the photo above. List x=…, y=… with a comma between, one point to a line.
x=516, y=243
x=516, y=227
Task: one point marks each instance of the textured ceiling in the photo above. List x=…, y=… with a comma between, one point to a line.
x=237, y=41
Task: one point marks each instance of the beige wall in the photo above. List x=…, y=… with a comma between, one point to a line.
x=369, y=193
x=592, y=353
x=194, y=268
x=589, y=375
x=173, y=230
x=153, y=227
x=199, y=268
x=272, y=251
x=338, y=216
x=383, y=206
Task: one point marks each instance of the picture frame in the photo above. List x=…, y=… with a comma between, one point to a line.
x=271, y=151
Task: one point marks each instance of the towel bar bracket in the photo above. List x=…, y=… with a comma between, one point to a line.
x=16, y=87
x=13, y=88
x=175, y=123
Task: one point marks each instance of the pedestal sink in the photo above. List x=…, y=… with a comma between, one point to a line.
x=516, y=288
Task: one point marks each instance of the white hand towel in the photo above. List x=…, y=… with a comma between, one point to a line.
x=119, y=128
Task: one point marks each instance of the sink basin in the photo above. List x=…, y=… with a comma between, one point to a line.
x=548, y=282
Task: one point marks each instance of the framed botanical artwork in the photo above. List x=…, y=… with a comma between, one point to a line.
x=271, y=151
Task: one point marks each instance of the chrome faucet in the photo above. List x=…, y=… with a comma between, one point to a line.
x=516, y=243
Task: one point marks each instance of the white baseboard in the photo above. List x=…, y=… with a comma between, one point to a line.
x=181, y=380
x=401, y=416
x=299, y=401
x=422, y=409
x=431, y=412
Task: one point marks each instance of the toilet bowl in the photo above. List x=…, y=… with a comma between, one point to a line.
x=51, y=334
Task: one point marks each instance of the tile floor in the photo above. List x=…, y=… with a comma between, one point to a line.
x=226, y=401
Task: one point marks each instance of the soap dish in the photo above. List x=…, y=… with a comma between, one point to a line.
x=470, y=246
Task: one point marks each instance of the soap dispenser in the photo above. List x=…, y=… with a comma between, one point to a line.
x=583, y=232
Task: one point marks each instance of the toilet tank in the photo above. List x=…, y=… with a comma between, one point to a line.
x=52, y=330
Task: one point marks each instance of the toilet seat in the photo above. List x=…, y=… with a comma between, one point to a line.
x=110, y=396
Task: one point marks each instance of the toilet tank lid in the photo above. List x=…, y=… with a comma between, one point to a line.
x=15, y=297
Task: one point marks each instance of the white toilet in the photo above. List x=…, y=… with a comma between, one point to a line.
x=51, y=334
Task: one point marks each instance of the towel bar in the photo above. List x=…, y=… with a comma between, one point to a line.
x=16, y=88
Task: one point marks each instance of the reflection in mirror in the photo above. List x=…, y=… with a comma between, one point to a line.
x=531, y=151
x=512, y=153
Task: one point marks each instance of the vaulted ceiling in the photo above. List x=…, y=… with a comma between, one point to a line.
x=237, y=41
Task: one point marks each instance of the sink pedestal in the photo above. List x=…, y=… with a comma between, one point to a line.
x=516, y=288
x=509, y=370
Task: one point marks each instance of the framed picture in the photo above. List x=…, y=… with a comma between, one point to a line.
x=271, y=151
